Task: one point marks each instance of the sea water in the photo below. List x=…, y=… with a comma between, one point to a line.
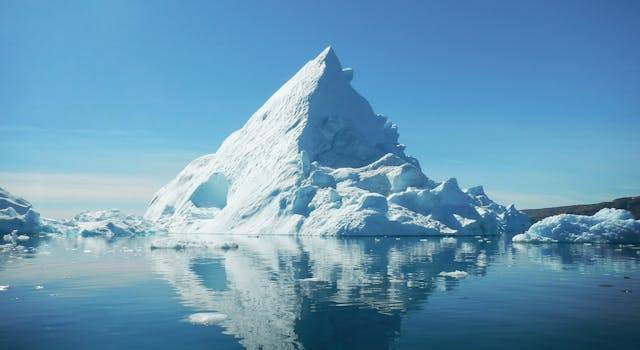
x=319, y=293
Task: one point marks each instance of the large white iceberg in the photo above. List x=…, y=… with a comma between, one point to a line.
x=315, y=159
x=605, y=226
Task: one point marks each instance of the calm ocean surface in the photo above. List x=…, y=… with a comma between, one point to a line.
x=321, y=293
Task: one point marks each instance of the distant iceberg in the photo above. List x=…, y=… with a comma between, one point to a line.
x=19, y=221
x=605, y=226
x=316, y=160
x=111, y=224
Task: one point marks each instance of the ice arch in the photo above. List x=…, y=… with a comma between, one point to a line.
x=211, y=193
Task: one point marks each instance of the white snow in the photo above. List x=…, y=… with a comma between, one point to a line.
x=605, y=226
x=453, y=274
x=316, y=160
x=4, y=288
x=206, y=318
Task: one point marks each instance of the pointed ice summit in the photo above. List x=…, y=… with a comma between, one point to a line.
x=316, y=159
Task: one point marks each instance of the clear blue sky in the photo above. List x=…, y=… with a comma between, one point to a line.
x=102, y=102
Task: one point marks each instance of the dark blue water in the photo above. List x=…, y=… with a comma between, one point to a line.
x=321, y=293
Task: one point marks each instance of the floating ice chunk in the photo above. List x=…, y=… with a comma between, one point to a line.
x=206, y=318
x=38, y=287
x=3, y=288
x=605, y=226
x=22, y=238
x=453, y=274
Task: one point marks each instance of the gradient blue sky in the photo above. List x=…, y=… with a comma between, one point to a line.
x=105, y=101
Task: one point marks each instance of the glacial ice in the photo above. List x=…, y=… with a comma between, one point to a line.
x=316, y=160
x=606, y=226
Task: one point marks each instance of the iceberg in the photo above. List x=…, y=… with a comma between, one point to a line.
x=17, y=216
x=605, y=226
x=316, y=160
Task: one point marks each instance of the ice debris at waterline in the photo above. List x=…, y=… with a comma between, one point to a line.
x=194, y=241
x=315, y=159
x=605, y=226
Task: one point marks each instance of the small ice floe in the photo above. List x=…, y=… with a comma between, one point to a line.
x=87, y=251
x=376, y=240
x=23, y=238
x=453, y=274
x=38, y=287
x=206, y=318
x=7, y=238
x=3, y=288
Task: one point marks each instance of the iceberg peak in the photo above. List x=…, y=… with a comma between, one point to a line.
x=316, y=159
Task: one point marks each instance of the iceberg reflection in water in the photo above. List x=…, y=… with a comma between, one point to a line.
x=312, y=292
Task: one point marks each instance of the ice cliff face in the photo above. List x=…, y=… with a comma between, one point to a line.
x=316, y=159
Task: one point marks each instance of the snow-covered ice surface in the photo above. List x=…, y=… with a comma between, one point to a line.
x=605, y=226
x=316, y=160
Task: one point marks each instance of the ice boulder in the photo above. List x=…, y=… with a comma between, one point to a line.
x=605, y=226
x=17, y=215
x=316, y=160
